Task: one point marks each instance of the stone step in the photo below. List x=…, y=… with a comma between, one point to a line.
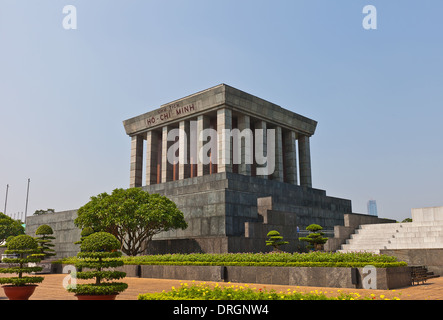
x=415, y=235
x=389, y=236
x=376, y=251
x=403, y=230
x=409, y=235
x=402, y=225
x=396, y=241
x=414, y=245
x=382, y=225
x=372, y=236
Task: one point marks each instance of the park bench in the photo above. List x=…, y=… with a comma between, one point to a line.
x=421, y=274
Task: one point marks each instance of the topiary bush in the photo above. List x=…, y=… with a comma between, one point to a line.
x=99, y=252
x=85, y=232
x=315, y=237
x=44, y=241
x=24, y=246
x=275, y=240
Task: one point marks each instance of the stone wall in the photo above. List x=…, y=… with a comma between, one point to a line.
x=65, y=231
x=431, y=258
x=190, y=245
x=202, y=200
x=430, y=214
x=386, y=278
x=224, y=214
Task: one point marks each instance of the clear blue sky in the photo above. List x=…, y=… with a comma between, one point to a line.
x=377, y=94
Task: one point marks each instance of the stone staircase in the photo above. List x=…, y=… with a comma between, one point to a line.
x=408, y=235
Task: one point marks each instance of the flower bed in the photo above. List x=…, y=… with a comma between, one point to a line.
x=204, y=291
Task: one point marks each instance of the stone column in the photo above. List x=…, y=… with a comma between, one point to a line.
x=136, y=169
x=305, y=161
x=261, y=148
x=152, y=139
x=290, y=157
x=184, y=150
x=193, y=145
x=224, y=150
x=278, y=171
x=203, y=123
x=245, y=145
x=166, y=167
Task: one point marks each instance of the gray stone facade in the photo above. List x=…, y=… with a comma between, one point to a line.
x=225, y=212
x=228, y=212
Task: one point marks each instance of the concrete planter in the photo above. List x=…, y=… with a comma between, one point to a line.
x=198, y=273
x=386, y=278
x=131, y=270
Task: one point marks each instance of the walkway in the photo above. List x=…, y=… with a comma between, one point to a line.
x=52, y=289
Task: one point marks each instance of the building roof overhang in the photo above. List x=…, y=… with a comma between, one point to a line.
x=212, y=99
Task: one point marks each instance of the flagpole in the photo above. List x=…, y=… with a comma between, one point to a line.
x=27, y=197
x=6, y=198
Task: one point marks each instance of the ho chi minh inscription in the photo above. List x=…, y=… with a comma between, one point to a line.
x=169, y=112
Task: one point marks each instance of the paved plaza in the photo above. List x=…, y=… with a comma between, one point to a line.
x=51, y=289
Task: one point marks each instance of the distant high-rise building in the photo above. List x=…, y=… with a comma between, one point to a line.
x=372, y=208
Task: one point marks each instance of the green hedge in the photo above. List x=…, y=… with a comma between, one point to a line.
x=313, y=259
x=284, y=264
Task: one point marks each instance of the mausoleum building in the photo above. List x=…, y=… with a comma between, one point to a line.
x=237, y=166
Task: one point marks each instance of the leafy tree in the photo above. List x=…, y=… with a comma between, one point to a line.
x=39, y=212
x=44, y=241
x=132, y=215
x=9, y=227
x=275, y=240
x=315, y=238
x=407, y=220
